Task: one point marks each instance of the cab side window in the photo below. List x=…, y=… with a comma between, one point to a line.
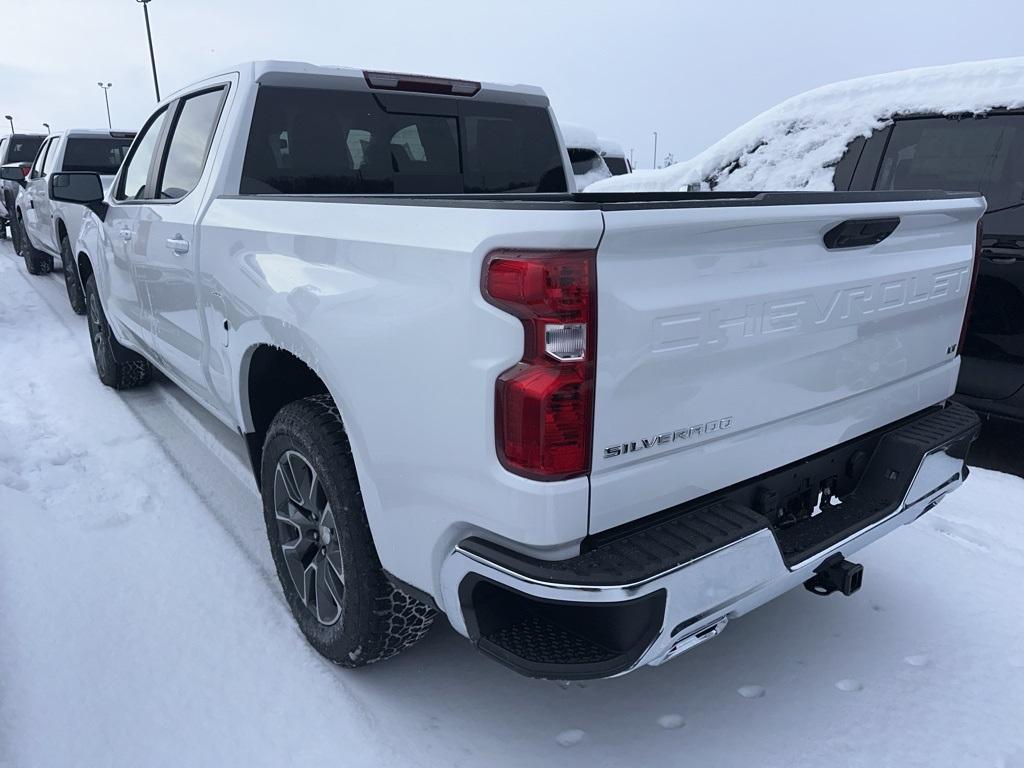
x=189, y=144
x=132, y=185
x=50, y=163
x=37, y=165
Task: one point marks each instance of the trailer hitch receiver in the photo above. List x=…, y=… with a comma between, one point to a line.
x=835, y=574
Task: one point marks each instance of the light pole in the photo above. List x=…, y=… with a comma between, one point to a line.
x=149, y=36
x=106, y=98
x=11, y=121
x=47, y=127
x=655, y=150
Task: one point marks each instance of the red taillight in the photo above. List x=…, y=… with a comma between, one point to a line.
x=544, y=404
x=970, y=292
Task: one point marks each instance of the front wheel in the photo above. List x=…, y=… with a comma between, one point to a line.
x=76, y=294
x=116, y=365
x=321, y=543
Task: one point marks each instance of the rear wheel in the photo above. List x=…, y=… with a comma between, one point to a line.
x=116, y=365
x=76, y=294
x=36, y=262
x=321, y=543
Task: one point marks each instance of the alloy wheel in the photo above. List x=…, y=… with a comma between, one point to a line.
x=308, y=537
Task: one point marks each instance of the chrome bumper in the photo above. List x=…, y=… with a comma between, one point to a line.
x=703, y=595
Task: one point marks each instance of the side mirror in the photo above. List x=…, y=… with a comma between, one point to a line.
x=14, y=172
x=79, y=187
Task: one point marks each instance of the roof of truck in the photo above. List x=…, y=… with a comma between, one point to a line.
x=254, y=71
x=796, y=144
x=84, y=132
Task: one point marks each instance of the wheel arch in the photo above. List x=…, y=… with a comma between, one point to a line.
x=62, y=231
x=269, y=378
x=84, y=264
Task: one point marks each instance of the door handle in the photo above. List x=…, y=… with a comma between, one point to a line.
x=126, y=235
x=178, y=244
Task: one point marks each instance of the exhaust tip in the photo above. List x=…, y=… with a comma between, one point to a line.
x=836, y=574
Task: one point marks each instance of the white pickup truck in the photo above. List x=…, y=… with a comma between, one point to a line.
x=589, y=429
x=45, y=228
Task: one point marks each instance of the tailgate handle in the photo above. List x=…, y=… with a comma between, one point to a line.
x=856, y=233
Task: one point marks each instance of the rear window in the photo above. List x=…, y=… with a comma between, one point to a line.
x=23, y=149
x=313, y=141
x=969, y=154
x=100, y=155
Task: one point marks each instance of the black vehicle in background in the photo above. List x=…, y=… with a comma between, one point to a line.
x=966, y=152
x=16, y=148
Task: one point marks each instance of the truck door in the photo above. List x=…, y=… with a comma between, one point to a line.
x=35, y=188
x=127, y=301
x=172, y=252
x=44, y=231
x=984, y=153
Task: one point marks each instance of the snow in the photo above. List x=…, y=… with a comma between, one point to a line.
x=579, y=136
x=594, y=175
x=141, y=622
x=796, y=144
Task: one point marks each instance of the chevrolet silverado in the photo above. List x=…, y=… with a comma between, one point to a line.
x=591, y=430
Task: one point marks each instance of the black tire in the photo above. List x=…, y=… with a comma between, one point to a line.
x=76, y=294
x=36, y=262
x=135, y=370
x=370, y=620
x=15, y=235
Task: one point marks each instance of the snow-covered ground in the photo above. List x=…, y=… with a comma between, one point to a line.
x=141, y=623
x=796, y=144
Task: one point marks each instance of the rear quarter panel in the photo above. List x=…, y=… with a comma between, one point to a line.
x=383, y=301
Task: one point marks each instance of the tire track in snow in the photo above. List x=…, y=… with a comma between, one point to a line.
x=226, y=507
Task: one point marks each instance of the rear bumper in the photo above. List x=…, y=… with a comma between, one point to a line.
x=649, y=594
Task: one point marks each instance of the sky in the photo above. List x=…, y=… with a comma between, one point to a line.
x=690, y=71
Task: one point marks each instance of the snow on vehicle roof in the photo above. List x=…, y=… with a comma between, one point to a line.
x=609, y=147
x=581, y=137
x=796, y=144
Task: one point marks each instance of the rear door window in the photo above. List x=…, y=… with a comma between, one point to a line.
x=101, y=154
x=190, y=143
x=617, y=165
x=52, y=152
x=314, y=141
x=37, y=165
x=969, y=154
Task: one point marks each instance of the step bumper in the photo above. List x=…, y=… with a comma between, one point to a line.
x=652, y=594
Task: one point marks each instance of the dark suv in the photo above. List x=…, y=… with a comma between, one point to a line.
x=16, y=148
x=966, y=152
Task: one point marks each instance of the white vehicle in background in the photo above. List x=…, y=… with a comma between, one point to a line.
x=590, y=429
x=47, y=228
x=614, y=157
x=585, y=154
x=17, y=149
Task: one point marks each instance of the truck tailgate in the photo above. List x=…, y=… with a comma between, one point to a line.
x=732, y=341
